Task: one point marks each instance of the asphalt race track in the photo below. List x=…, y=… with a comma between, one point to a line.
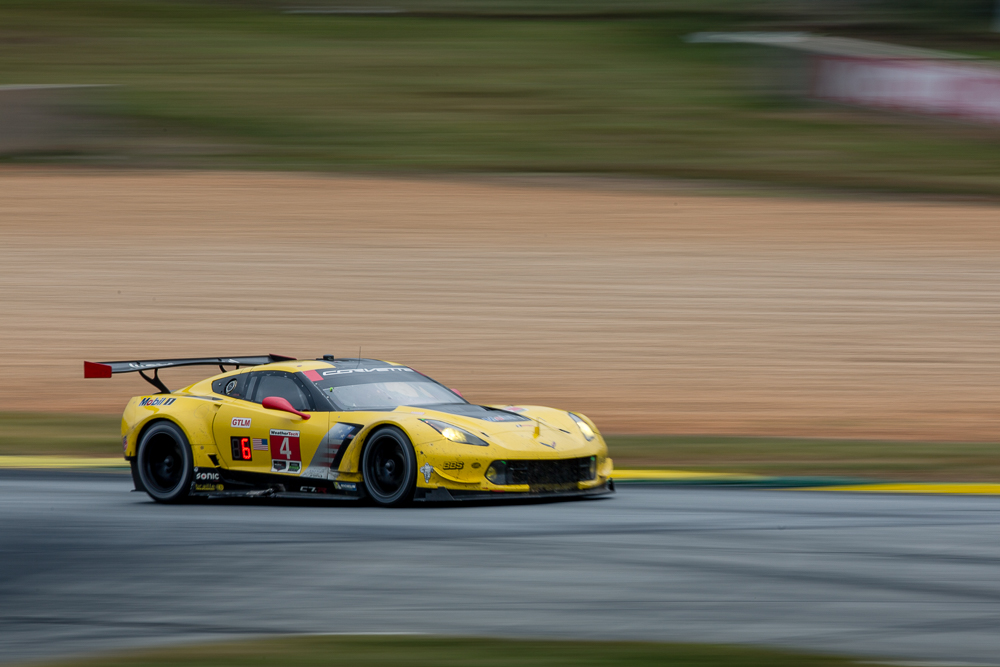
x=87, y=566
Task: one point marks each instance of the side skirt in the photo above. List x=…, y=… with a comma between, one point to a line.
x=224, y=483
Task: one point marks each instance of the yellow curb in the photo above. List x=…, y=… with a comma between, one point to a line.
x=959, y=487
x=651, y=475
x=49, y=462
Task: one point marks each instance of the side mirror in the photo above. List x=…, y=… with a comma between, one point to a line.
x=279, y=403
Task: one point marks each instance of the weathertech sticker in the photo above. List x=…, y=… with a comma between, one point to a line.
x=285, y=451
x=241, y=422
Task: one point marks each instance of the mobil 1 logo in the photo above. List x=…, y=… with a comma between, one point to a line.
x=285, y=455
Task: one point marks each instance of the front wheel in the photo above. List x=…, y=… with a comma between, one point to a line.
x=389, y=467
x=164, y=463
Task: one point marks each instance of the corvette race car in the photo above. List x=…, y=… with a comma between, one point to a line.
x=347, y=428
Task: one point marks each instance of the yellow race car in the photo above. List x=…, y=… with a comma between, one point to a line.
x=347, y=428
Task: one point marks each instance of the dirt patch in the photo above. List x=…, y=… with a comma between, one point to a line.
x=650, y=312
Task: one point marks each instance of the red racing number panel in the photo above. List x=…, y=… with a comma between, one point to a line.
x=241, y=448
x=285, y=445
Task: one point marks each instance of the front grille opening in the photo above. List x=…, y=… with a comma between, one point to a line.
x=564, y=471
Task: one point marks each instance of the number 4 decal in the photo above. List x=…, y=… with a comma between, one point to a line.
x=285, y=445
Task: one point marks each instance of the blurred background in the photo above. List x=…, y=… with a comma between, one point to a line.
x=744, y=236
x=552, y=86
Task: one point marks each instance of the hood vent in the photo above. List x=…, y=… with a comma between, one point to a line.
x=477, y=412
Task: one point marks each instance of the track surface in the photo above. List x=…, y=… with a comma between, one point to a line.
x=87, y=566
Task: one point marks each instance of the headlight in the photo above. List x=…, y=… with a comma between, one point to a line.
x=455, y=434
x=588, y=432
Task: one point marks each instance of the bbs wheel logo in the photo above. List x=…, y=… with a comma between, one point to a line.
x=453, y=465
x=209, y=476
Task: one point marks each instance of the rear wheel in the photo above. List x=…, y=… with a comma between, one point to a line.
x=389, y=467
x=164, y=463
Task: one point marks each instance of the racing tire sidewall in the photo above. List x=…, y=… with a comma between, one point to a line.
x=404, y=494
x=158, y=434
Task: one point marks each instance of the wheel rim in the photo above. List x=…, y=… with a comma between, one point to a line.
x=163, y=463
x=387, y=471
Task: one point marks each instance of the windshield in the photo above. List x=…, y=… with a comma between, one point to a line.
x=383, y=388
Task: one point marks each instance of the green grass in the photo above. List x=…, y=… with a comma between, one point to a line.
x=64, y=434
x=442, y=652
x=98, y=435
x=242, y=85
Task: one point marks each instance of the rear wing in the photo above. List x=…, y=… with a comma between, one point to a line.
x=106, y=369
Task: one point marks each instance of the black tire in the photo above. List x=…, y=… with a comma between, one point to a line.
x=164, y=463
x=389, y=467
x=136, y=480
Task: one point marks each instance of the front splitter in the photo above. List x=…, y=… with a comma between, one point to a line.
x=441, y=494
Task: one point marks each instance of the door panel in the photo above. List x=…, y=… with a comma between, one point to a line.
x=278, y=442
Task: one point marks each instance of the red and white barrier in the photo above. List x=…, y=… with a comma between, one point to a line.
x=917, y=86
